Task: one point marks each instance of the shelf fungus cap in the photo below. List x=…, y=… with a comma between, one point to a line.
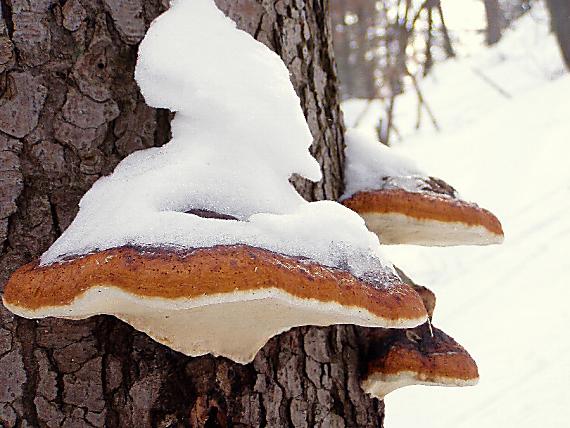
x=424, y=211
x=223, y=300
x=421, y=356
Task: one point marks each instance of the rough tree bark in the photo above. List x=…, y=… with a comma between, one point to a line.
x=69, y=111
x=560, y=22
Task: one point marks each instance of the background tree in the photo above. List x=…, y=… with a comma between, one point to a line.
x=355, y=23
x=70, y=110
x=382, y=45
x=495, y=21
x=514, y=9
x=560, y=22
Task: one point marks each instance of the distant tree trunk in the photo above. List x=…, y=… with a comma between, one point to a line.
x=355, y=45
x=495, y=20
x=514, y=9
x=428, y=62
x=365, y=66
x=69, y=111
x=560, y=22
x=447, y=45
x=342, y=40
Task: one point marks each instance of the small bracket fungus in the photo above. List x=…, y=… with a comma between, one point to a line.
x=421, y=356
x=203, y=243
x=402, y=205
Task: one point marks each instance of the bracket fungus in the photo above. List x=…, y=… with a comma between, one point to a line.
x=420, y=356
x=225, y=300
x=203, y=243
x=403, y=205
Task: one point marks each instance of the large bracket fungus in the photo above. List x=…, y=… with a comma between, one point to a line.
x=203, y=243
x=403, y=205
x=225, y=300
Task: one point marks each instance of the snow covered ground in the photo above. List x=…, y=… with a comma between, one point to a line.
x=509, y=151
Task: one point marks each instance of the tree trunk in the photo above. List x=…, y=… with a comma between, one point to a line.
x=560, y=22
x=428, y=62
x=447, y=45
x=495, y=20
x=69, y=111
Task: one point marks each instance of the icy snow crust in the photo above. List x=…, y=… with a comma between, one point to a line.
x=238, y=136
x=368, y=163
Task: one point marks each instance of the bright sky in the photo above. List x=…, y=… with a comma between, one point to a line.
x=464, y=14
x=465, y=18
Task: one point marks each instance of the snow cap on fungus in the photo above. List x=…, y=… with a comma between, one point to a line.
x=403, y=205
x=421, y=356
x=203, y=243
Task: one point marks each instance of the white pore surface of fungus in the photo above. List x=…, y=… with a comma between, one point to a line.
x=368, y=161
x=238, y=136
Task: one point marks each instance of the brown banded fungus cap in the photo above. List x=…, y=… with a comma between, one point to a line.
x=431, y=214
x=225, y=300
x=403, y=205
x=421, y=356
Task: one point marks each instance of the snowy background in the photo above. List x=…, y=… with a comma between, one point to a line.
x=508, y=150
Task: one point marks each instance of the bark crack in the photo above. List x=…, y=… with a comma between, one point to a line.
x=25, y=332
x=6, y=8
x=54, y=218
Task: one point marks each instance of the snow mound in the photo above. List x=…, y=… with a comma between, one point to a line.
x=368, y=161
x=238, y=136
